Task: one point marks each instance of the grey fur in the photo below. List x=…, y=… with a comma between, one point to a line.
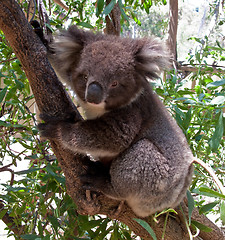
x=126, y=127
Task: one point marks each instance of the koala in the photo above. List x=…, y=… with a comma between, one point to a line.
x=141, y=155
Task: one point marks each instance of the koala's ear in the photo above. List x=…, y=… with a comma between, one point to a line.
x=151, y=57
x=66, y=49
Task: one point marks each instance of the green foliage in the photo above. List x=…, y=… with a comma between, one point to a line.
x=191, y=205
x=146, y=226
x=198, y=110
x=201, y=226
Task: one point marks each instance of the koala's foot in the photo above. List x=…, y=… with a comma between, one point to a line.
x=94, y=183
x=116, y=212
x=97, y=177
x=89, y=205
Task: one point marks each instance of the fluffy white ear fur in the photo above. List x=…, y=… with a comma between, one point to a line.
x=153, y=57
x=65, y=57
x=65, y=47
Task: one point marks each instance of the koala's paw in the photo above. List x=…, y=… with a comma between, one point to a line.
x=48, y=130
x=39, y=31
x=51, y=128
x=65, y=117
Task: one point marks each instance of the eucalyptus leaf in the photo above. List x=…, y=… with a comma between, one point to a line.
x=218, y=100
x=190, y=101
x=3, y=212
x=216, y=83
x=3, y=93
x=146, y=226
x=5, y=124
x=211, y=192
x=218, y=134
x=30, y=237
x=187, y=119
x=122, y=11
x=208, y=207
x=30, y=170
x=99, y=8
x=222, y=212
x=191, y=205
x=109, y=8
x=85, y=24
x=54, y=222
x=201, y=227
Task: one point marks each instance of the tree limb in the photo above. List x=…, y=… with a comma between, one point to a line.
x=205, y=68
x=51, y=97
x=9, y=221
x=61, y=4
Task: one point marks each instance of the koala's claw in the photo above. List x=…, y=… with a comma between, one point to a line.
x=65, y=117
x=49, y=129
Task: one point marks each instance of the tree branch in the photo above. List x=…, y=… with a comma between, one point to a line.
x=51, y=97
x=61, y=4
x=9, y=221
x=173, y=23
x=204, y=68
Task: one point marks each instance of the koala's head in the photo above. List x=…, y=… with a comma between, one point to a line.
x=106, y=70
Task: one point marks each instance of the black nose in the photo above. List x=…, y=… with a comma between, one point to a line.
x=94, y=93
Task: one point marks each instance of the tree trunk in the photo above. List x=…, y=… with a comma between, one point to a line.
x=173, y=23
x=51, y=98
x=113, y=20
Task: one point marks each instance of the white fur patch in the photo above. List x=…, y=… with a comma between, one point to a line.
x=95, y=155
x=92, y=111
x=136, y=95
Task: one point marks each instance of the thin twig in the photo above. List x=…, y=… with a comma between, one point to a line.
x=211, y=172
x=8, y=60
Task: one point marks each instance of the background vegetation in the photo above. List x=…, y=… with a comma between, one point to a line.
x=34, y=203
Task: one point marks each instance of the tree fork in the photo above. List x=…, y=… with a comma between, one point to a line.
x=51, y=97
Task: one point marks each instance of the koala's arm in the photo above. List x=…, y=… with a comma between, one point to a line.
x=103, y=137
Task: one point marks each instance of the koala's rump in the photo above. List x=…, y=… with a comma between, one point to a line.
x=154, y=182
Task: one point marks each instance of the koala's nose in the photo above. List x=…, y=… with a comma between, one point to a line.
x=94, y=93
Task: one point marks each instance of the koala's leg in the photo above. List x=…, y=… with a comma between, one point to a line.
x=147, y=180
x=129, y=172
x=99, y=181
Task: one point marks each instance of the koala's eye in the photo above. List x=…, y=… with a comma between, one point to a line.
x=85, y=77
x=114, y=84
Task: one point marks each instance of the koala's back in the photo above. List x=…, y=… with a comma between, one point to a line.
x=156, y=183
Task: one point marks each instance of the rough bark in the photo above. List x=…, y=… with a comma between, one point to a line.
x=113, y=20
x=52, y=98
